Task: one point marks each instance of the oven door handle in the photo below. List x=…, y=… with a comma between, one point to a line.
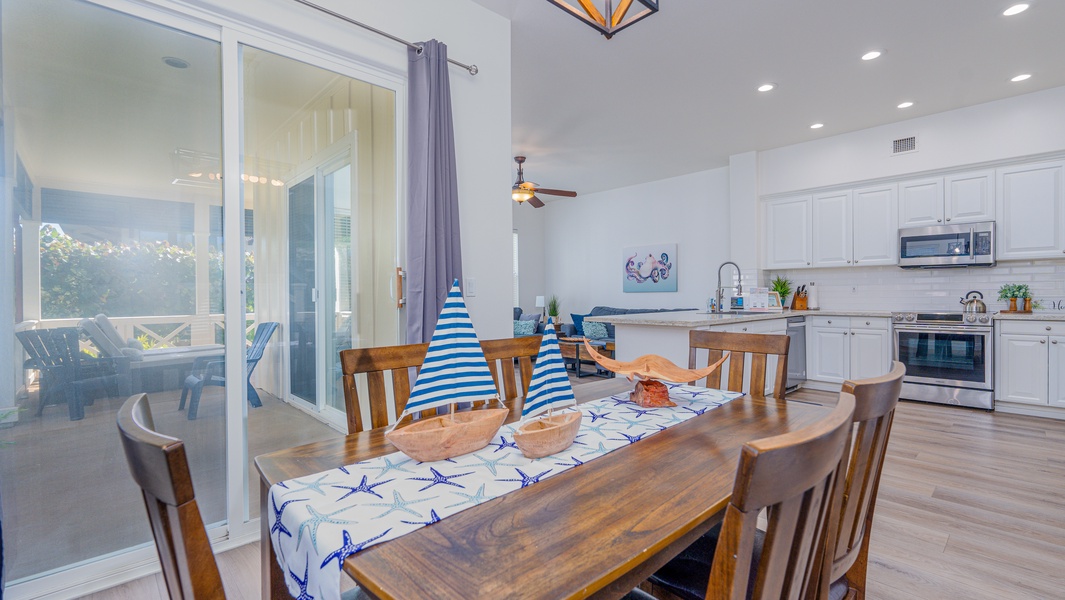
x=944, y=329
x=972, y=242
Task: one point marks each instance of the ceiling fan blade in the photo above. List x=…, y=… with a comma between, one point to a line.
x=552, y=192
x=535, y=202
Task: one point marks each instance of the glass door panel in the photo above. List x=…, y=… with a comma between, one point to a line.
x=302, y=290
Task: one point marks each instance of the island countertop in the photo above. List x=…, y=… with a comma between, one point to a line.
x=692, y=318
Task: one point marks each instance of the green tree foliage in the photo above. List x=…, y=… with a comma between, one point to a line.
x=125, y=280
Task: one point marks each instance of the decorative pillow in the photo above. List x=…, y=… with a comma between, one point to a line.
x=524, y=328
x=594, y=330
x=578, y=324
x=531, y=317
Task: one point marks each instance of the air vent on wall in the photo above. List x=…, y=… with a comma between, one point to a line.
x=904, y=145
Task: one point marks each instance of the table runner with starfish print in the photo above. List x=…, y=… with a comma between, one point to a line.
x=318, y=520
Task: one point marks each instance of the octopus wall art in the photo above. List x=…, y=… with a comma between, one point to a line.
x=650, y=268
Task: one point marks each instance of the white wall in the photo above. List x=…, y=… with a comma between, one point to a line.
x=584, y=237
x=480, y=106
x=529, y=223
x=1014, y=127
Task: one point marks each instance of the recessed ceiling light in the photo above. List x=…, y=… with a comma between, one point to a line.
x=871, y=55
x=906, y=105
x=765, y=87
x=177, y=63
x=1016, y=9
x=817, y=126
x=1021, y=77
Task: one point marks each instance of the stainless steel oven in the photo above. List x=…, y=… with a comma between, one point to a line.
x=967, y=245
x=948, y=357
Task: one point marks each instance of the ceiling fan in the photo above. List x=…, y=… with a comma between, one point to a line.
x=526, y=190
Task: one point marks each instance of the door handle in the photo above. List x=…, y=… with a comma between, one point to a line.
x=401, y=300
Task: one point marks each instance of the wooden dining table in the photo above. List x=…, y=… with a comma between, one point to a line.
x=594, y=531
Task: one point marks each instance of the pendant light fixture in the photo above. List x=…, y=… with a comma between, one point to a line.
x=615, y=19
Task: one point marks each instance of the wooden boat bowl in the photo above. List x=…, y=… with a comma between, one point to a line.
x=448, y=436
x=547, y=435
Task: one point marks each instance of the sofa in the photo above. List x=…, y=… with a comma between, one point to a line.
x=538, y=329
x=575, y=328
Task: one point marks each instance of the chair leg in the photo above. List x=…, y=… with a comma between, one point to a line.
x=190, y=382
x=253, y=396
x=194, y=400
x=75, y=408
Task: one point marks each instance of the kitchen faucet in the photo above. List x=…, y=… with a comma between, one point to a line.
x=719, y=295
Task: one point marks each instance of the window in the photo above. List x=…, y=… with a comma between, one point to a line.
x=517, y=301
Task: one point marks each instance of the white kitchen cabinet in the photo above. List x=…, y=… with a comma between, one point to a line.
x=1030, y=363
x=957, y=198
x=875, y=223
x=840, y=348
x=1031, y=211
x=787, y=233
x=769, y=326
x=831, y=232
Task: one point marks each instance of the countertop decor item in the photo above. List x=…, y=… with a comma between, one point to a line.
x=782, y=286
x=1011, y=292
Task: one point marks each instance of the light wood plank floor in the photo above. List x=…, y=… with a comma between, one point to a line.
x=971, y=505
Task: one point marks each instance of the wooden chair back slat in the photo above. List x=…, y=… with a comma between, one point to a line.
x=159, y=466
x=759, y=346
x=509, y=357
x=793, y=476
x=374, y=363
x=875, y=402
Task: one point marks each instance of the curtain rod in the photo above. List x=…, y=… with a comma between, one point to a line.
x=471, y=68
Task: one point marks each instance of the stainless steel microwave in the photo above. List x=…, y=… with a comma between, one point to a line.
x=963, y=245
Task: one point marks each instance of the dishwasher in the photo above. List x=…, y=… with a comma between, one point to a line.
x=796, y=352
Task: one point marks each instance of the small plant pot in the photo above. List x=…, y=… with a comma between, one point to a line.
x=1013, y=305
x=1027, y=305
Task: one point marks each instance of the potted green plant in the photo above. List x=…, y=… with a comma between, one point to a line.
x=1024, y=294
x=782, y=286
x=1006, y=293
x=554, y=308
x=1010, y=292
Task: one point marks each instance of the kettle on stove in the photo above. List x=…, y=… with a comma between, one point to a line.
x=974, y=304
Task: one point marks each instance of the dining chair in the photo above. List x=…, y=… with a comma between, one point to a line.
x=159, y=466
x=210, y=370
x=791, y=476
x=758, y=346
x=875, y=402
x=374, y=363
x=507, y=358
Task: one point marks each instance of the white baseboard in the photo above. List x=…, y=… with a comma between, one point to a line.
x=824, y=386
x=1030, y=410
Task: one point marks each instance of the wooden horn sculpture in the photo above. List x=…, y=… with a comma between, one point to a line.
x=648, y=371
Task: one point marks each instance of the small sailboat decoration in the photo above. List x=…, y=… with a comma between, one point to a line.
x=549, y=389
x=455, y=370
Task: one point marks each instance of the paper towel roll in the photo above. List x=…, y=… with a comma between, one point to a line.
x=811, y=297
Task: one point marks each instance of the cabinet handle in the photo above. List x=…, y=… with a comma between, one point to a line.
x=852, y=333
x=1048, y=327
x=807, y=263
x=1042, y=341
x=867, y=322
x=939, y=220
x=848, y=262
x=745, y=329
x=948, y=218
x=1053, y=341
x=830, y=322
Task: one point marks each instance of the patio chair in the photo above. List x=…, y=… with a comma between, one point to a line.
x=210, y=370
x=69, y=375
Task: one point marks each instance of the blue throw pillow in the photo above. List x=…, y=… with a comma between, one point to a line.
x=594, y=330
x=578, y=324
x=524, y=328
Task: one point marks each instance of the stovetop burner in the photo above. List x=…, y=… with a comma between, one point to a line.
x=942, y=318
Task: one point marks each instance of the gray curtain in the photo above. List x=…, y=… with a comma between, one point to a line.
x=433, y=250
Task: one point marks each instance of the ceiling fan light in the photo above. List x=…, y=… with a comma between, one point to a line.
x=520, y=194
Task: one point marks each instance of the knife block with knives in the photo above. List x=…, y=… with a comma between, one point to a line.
x=798, y=300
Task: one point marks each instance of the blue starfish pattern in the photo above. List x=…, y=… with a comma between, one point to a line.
x=491, y=464
x=316, y=521
x=672, y=386
x=439, y=478
x=314, y=486
x=362, y=487
x=282, y=484
x=633, y=423
x=633, y=438
x=398, y=503
x=620, y=400
x=576, y=462
x=278, y=525
x=697, y=411
x=390, y=466
x=348, y=548
x=473, y=499
x=433, y=518
x=344, y=470
x=527, y=480
x=596, y=416
x=600, y=450
x=694, y=393
x=639, y=412
x=302, y=582
x=674, y=419
x=501, y=444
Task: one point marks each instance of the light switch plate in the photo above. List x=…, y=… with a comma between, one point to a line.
x=471, y=287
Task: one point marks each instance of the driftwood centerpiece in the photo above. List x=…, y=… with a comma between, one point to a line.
x=649, y=371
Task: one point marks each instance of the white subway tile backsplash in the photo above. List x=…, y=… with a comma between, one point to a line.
x=892, y=288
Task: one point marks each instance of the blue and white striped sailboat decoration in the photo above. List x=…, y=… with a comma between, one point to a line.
x=455, y=370
x=549, y=389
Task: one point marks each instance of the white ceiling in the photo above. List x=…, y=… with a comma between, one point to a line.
x=675, y=93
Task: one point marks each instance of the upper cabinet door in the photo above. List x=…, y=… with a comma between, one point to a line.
x=875, y=213
x=921, y=202
x=1031, y=199
x=787, y=233
x=832, y=229
x=970, y=197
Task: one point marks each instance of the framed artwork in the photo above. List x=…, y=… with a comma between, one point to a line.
x=650, y=268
